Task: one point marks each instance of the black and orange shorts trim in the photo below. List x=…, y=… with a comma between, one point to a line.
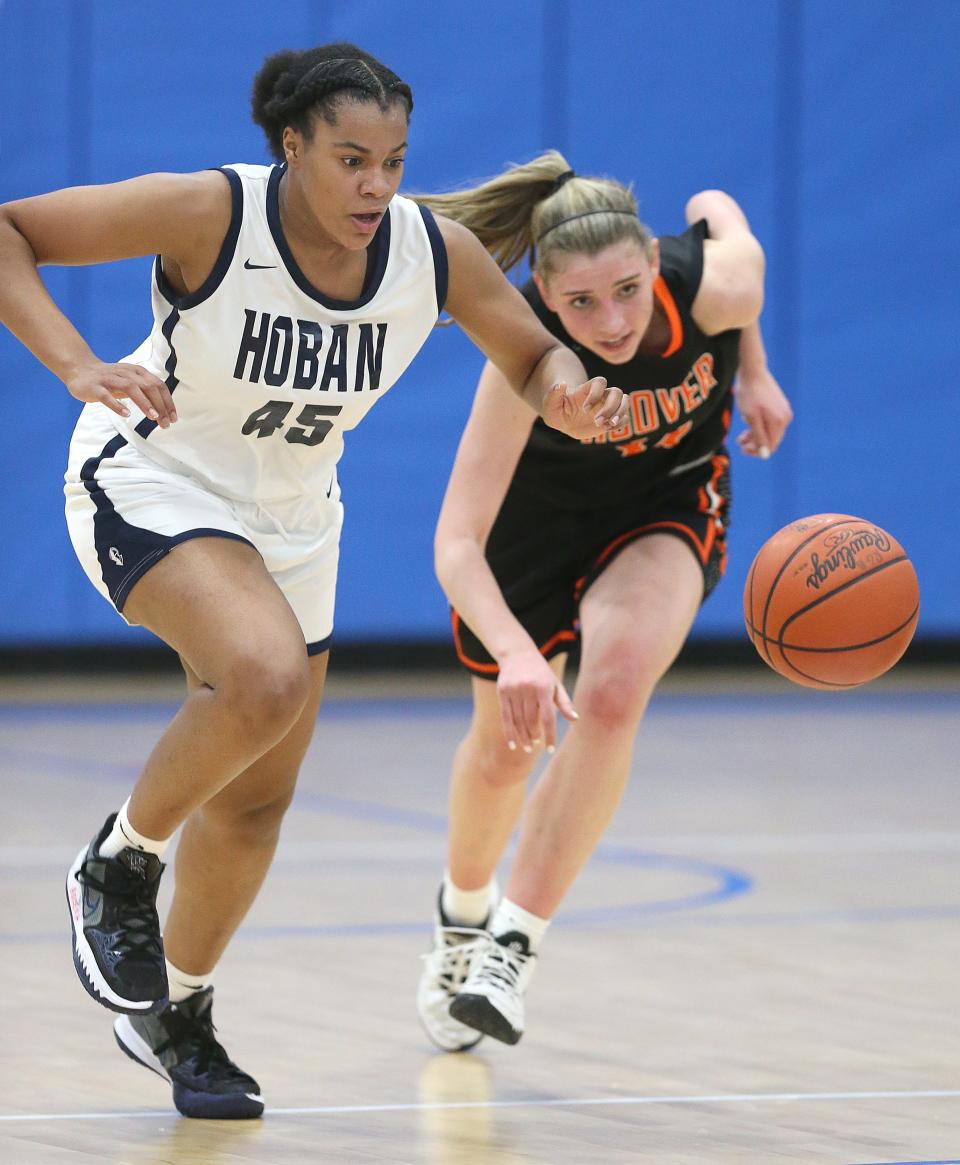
x=545, y=559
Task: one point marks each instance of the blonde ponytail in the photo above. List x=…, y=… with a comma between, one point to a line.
x=542, y=209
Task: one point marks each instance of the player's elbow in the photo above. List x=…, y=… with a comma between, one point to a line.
x=718, y=208
x=447, y=554
x=456, y=555
x=12, y=238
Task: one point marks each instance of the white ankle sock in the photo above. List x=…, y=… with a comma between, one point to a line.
x=182, y=985
x=124, y=836
x=509, y=916
x=467, y=907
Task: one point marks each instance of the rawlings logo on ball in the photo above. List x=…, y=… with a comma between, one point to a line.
x=846, y=546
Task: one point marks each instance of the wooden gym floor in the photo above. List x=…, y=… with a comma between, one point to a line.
x=758, y=967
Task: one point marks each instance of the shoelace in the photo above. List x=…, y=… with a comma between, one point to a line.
x=503, y=966
x=136, y=909
x=454, y=957
x=192, y=1038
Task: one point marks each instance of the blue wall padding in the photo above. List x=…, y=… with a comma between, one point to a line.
x=835, y=126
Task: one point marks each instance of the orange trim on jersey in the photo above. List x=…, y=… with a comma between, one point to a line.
x=560, y=637
x=662, y=292
x=487, y=668
x=706, y=506
x=703, y=548
x=493, y=668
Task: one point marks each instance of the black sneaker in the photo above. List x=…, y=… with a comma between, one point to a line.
x=117, y=948
x=179, y=1045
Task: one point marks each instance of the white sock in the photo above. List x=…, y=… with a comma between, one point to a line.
x=467, y=907
x=124, y=836
x=182, y=985
x=509, y=916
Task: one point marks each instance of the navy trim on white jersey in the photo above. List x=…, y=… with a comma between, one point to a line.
x=439, y=248
x=224, y=258
x=146, y=426
x=378, y=252
x=320, y=646
x=126, y=552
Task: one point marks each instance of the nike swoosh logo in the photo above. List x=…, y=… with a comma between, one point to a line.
x=91, y=910
x=259, y=266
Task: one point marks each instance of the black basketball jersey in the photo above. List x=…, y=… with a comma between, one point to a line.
x=677, y=405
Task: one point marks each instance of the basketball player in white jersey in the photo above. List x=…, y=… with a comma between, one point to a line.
x=202, y=494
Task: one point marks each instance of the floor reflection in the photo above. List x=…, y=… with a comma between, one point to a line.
x=465, y=1132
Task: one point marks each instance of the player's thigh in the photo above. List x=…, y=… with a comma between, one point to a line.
x=214, y=602
x=636, y=615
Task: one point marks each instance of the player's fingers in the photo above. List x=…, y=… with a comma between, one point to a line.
x=102, y=395
x=748, y=444
x=608, y=414
x=755, y=440
x=159, y=398
x=760, y=428
x=548, y=724
x=564, y=703
x=508, y=721
x=136, y=395
x=778, y=427
x=147, y=392
x=591, y=392
x=530, y=732
x=158, y=392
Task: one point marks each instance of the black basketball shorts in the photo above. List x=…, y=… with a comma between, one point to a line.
x=545, y=559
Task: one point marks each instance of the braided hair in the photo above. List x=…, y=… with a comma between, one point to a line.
x=292, y=86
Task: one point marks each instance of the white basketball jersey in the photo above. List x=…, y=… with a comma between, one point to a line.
x=268, y=373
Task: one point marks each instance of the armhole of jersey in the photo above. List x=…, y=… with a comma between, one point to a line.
x=439, y=248
x=699, y=231
x=664, y=295
x=224, y=258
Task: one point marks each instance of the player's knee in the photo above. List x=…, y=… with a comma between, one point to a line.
x=615, y=697
x=497, y=765
x=267, y=693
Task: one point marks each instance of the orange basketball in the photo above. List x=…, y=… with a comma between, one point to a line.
x=831, y=601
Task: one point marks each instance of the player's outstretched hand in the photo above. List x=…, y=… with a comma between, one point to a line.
x=530, y=697
x=766, y=411
x=585, y=411
x=112, y=384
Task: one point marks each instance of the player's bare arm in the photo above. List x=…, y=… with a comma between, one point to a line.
x=546, y=374
x=491, y=445
x=731, y=288
x=731, y=296
x=183, y=217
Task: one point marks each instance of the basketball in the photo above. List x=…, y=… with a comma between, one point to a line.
x=831, y=601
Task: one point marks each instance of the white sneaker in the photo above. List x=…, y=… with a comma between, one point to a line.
x=491, y=999
x=445, y=971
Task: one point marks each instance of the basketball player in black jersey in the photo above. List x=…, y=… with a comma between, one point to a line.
x=611, y=542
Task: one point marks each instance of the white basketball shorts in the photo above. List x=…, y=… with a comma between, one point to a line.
x=125, y=512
